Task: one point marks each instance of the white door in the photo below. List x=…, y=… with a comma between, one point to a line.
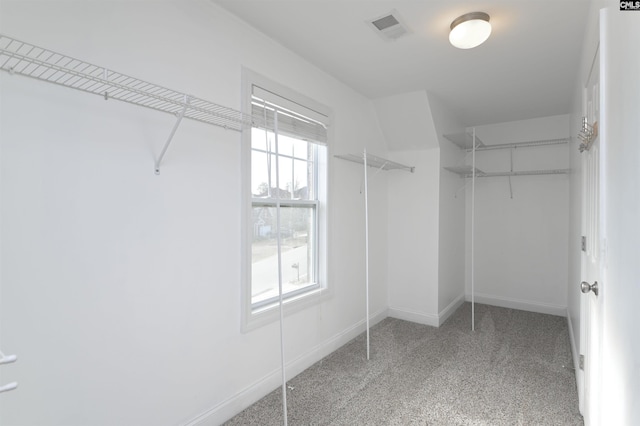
x=591, y=285
x=620, y=192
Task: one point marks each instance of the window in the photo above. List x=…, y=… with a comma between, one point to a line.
x=286, y=167
x=298, y=212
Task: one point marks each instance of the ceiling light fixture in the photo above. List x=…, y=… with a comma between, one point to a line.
x=470, y=30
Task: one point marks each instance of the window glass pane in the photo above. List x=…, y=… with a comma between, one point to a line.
x=285, y=145
x=259, y=174
x=303, y=175
x=301, y=149
x=285, y=166
x=297, y=239
x=299, y=174
x=258, y=139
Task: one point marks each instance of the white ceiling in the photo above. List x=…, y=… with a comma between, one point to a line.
x=526, y=69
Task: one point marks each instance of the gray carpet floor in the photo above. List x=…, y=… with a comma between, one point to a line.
x=510, y=371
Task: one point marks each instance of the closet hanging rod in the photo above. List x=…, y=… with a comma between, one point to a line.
x=481, y=174
x=18, y=57
x=521, y=144
x=376, y=162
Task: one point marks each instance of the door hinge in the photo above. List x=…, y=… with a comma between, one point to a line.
x=584, y=243
x=581, y=362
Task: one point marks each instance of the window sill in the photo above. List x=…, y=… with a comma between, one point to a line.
x=271, y=313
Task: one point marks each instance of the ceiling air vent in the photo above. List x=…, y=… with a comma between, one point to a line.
x=389, y=26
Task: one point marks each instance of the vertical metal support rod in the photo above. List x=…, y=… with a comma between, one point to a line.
x=187, y=100
x=268, y=146
x=105, y=77
x=511, y=187
x=293, y=177
x=280, y=296
x=473, y=228
x=366, y=245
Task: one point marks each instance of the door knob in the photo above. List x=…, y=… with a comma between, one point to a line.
x=585, y=287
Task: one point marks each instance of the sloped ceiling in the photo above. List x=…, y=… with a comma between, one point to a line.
x=526, y=69
x=406, y=121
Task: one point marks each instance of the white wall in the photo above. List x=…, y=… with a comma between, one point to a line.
x=451, y=206
x=413, y=237
x=521, y=242
x=426, y=219
x=621, y=201
x=121, y=289
x=405, y=120
x=406, y=123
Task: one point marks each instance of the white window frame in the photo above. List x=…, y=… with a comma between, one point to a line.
x=251, y=318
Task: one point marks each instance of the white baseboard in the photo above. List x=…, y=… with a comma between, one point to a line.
x=449, y=310
x=413, y=316
x=575, y=353
x=427, y=319
x=230, y=407
x=574, y=349
x=523, y=305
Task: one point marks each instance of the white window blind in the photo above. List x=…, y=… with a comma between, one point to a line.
x=294, y=120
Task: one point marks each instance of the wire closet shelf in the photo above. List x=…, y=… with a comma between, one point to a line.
x=18, y=57
x=464, y=141
x=375, y=162
x=520, y=144
x=467, y=172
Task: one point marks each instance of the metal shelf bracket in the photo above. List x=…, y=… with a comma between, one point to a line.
x=187, y=101
x=7, y=359
x=21, y=58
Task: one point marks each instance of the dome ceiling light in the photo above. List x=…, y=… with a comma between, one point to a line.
x=470, y=30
